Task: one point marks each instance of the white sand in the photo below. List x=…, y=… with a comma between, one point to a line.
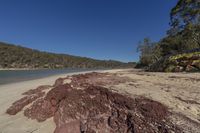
x=9, y=93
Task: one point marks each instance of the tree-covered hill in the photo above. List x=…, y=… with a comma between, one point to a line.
x=179, y=50
x=12, y=56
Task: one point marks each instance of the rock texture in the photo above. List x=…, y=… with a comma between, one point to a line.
x=31, y=96
x=189, y=62
x=80, y=104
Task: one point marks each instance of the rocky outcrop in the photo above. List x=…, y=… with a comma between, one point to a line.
x=189, y=62
x=31, y=96
x=84, y=105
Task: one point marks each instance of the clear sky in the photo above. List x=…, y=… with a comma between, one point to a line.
x=101, y=29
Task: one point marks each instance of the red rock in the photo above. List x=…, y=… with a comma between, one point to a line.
x=20, y=104
x=94, y=108
x=45, y=108
x=58, y=82
x=37, y=90
x=71, y=127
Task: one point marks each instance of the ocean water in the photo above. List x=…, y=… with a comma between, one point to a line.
x=11, y=76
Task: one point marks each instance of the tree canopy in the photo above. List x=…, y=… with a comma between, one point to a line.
x=183, y=36
x=150, y=52
x=12, y=56
x=186, y=12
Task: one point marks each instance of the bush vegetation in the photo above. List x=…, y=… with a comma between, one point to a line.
x=12, y=56
x=182, y=37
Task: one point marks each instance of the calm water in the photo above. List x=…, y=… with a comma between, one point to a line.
x=8, y=76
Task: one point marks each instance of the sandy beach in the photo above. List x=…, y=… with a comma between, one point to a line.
x=180, y=92
x=18, y=123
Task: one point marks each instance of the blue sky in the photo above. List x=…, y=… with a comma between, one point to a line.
x=101, y=29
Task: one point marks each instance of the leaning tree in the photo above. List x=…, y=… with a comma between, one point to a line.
x=186, y=12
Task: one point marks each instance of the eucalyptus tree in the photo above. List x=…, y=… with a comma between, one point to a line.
x=186, y=12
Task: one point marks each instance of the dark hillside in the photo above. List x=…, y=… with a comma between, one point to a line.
x=12, y=56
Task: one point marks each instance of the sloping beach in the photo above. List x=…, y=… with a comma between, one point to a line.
x=18, y=123
x=179, y=92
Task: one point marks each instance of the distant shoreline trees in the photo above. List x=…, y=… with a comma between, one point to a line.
x=12, y=56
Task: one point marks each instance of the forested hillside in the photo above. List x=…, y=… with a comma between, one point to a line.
x=12, y=56
x=180, y=49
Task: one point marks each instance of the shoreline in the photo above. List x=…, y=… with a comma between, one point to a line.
x=56, y=76
x=177, y=91
x=15, y=69
x=21, y=69
x=15, y=76
x=13, y=91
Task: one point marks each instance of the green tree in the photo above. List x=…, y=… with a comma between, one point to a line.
x=185, y=12
x=186, y=40
x=12, y=56
x=184, y=34
x=149, y=52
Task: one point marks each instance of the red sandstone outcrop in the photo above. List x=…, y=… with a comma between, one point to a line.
x=85, y=106
x=31, y=96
